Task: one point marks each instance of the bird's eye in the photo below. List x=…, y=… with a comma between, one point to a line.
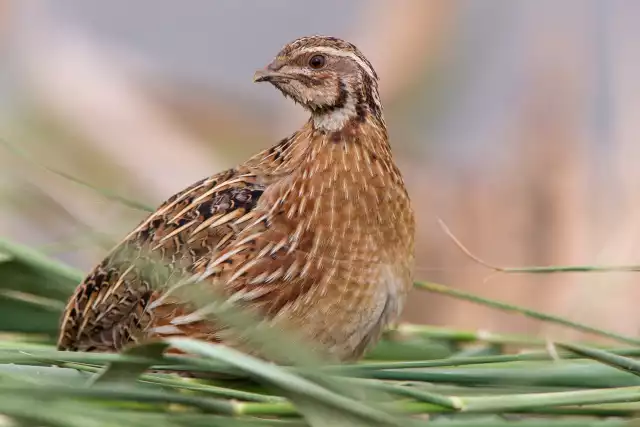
x=317, y=61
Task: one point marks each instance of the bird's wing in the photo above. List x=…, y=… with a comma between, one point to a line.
x=109, y=308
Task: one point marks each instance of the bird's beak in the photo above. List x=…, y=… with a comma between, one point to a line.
x=271, y=72
x=267, y=75
x=261, y=76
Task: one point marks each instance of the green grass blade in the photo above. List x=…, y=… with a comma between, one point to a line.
x=528, y=401
x=303, y=392
x=36, y=259
x=121, y=393
x=623, y=363
x=565, y=375
x=128, y=371
x=476, y=360
x=456, y=293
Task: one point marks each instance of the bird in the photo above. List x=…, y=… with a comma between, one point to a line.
x=315, y=233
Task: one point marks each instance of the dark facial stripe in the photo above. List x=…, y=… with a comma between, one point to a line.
x=340, y=102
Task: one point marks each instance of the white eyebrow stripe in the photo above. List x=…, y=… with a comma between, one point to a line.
x=337, y=52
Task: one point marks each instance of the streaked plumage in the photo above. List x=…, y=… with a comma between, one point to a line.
x=316, y=232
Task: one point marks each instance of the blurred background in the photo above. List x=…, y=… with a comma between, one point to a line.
x=513, y=122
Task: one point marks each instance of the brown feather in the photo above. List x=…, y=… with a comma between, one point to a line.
x=315, y=233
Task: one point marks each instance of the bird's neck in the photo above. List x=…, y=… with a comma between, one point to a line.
x=344, y=165
x=335, y=118
x=352, y=104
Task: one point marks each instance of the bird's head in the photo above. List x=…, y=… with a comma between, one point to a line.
x=328, y=76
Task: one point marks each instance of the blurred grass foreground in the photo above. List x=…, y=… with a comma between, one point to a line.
x=418, y=375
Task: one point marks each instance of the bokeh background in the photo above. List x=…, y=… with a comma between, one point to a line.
x=516, y=123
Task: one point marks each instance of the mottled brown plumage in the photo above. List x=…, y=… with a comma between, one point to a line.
x=315, y=233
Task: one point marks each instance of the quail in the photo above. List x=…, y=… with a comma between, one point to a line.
x=315, y=233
